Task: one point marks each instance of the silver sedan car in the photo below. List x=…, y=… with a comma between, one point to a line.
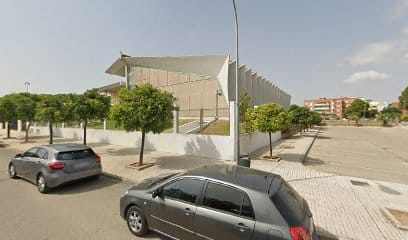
x=50, y=166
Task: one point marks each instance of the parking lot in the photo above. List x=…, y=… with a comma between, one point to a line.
x=85, y=210
x=367, y=152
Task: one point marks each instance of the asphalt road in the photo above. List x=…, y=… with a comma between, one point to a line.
x=367, y=152
x=85, y=210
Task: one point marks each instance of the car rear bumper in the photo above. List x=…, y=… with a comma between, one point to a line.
x=58, y=178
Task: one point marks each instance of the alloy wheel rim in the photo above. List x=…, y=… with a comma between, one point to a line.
x=135, y=221
x=41, y=183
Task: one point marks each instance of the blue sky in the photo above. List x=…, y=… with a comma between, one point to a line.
x=309, y=48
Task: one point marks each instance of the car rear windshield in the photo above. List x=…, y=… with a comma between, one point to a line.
x=77, y=154
x=290, y=204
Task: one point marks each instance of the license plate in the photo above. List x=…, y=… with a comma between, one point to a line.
x=81, y=165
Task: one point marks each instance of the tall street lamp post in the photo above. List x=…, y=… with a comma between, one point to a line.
x=27, y=84
x=236, y=110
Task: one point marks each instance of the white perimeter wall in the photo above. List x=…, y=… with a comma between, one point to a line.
x=209, y=146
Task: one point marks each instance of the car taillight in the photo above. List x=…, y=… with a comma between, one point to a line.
x=97, y=158
x=56, y=165
x=299, y=233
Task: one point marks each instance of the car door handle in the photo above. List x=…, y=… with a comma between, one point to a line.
x=242, y=227
x=188, y=212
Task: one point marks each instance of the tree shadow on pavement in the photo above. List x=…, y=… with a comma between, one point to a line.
x=309, y=161
x=126, y=151
x=85, y=185
x=291, y=157
x=322, y=137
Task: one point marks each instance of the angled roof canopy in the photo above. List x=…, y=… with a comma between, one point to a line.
x=208, y=65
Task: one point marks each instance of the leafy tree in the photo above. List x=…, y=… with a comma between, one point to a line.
x=389, y=113
x=271, y=118
x=304, y=116
x=250, y=120
x=91, y=106
x=315, y=118
x=356, y=110
x=293, y=107
x=67, y=106
x=371, y=113
x=144, y=109
x=244, y=105
x=403, y=99
x=26, y=109
x=295, y=113
x=8, y=110
x=50, y=109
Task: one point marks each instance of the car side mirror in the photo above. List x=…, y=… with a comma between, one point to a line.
x=158, y=192
x=19, y=155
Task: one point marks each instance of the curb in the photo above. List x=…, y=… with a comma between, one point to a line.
x=118, y=178
x=310, y=146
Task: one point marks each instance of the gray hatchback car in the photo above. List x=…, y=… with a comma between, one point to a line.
x=218, y=202
x=50, y=166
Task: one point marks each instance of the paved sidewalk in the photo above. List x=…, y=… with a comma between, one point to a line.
x=341, y=210
x=115, y=158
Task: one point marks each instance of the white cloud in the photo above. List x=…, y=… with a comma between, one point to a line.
x=371, y=53
x=367, y=76
x=399, y=10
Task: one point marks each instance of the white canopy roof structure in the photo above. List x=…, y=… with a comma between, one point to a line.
x=218, y=66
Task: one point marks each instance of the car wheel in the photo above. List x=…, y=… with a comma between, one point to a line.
x=42, y=184
x=12, y=172
x=136, y=221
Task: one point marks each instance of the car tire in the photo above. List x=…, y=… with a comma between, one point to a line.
x=42, y=184
x=136, y=221
x=12, y=172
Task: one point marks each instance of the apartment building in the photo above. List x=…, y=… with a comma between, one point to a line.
x=335, y=107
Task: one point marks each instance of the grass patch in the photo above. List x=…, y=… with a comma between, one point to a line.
x=219, y=127
x=185, y=121
x=111, y=125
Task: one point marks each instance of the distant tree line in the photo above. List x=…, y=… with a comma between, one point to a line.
x=57, y=108
x=271, y=117
x=143, y=108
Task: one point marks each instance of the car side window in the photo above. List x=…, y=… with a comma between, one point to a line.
x=31, y=153
x=227, y=199
x=42, y=153
x=187, y=190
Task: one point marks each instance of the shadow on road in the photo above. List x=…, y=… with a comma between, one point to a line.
x=126, y=152
x=309, y=161
x=85, y=185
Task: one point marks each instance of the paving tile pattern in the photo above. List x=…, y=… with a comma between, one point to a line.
x=340, y=208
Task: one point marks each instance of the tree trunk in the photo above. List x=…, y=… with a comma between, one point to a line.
x=141, y=148
x=8, y=129
x=26, y=131
x=51, y=133
x=85, y=124
x=270, y=143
